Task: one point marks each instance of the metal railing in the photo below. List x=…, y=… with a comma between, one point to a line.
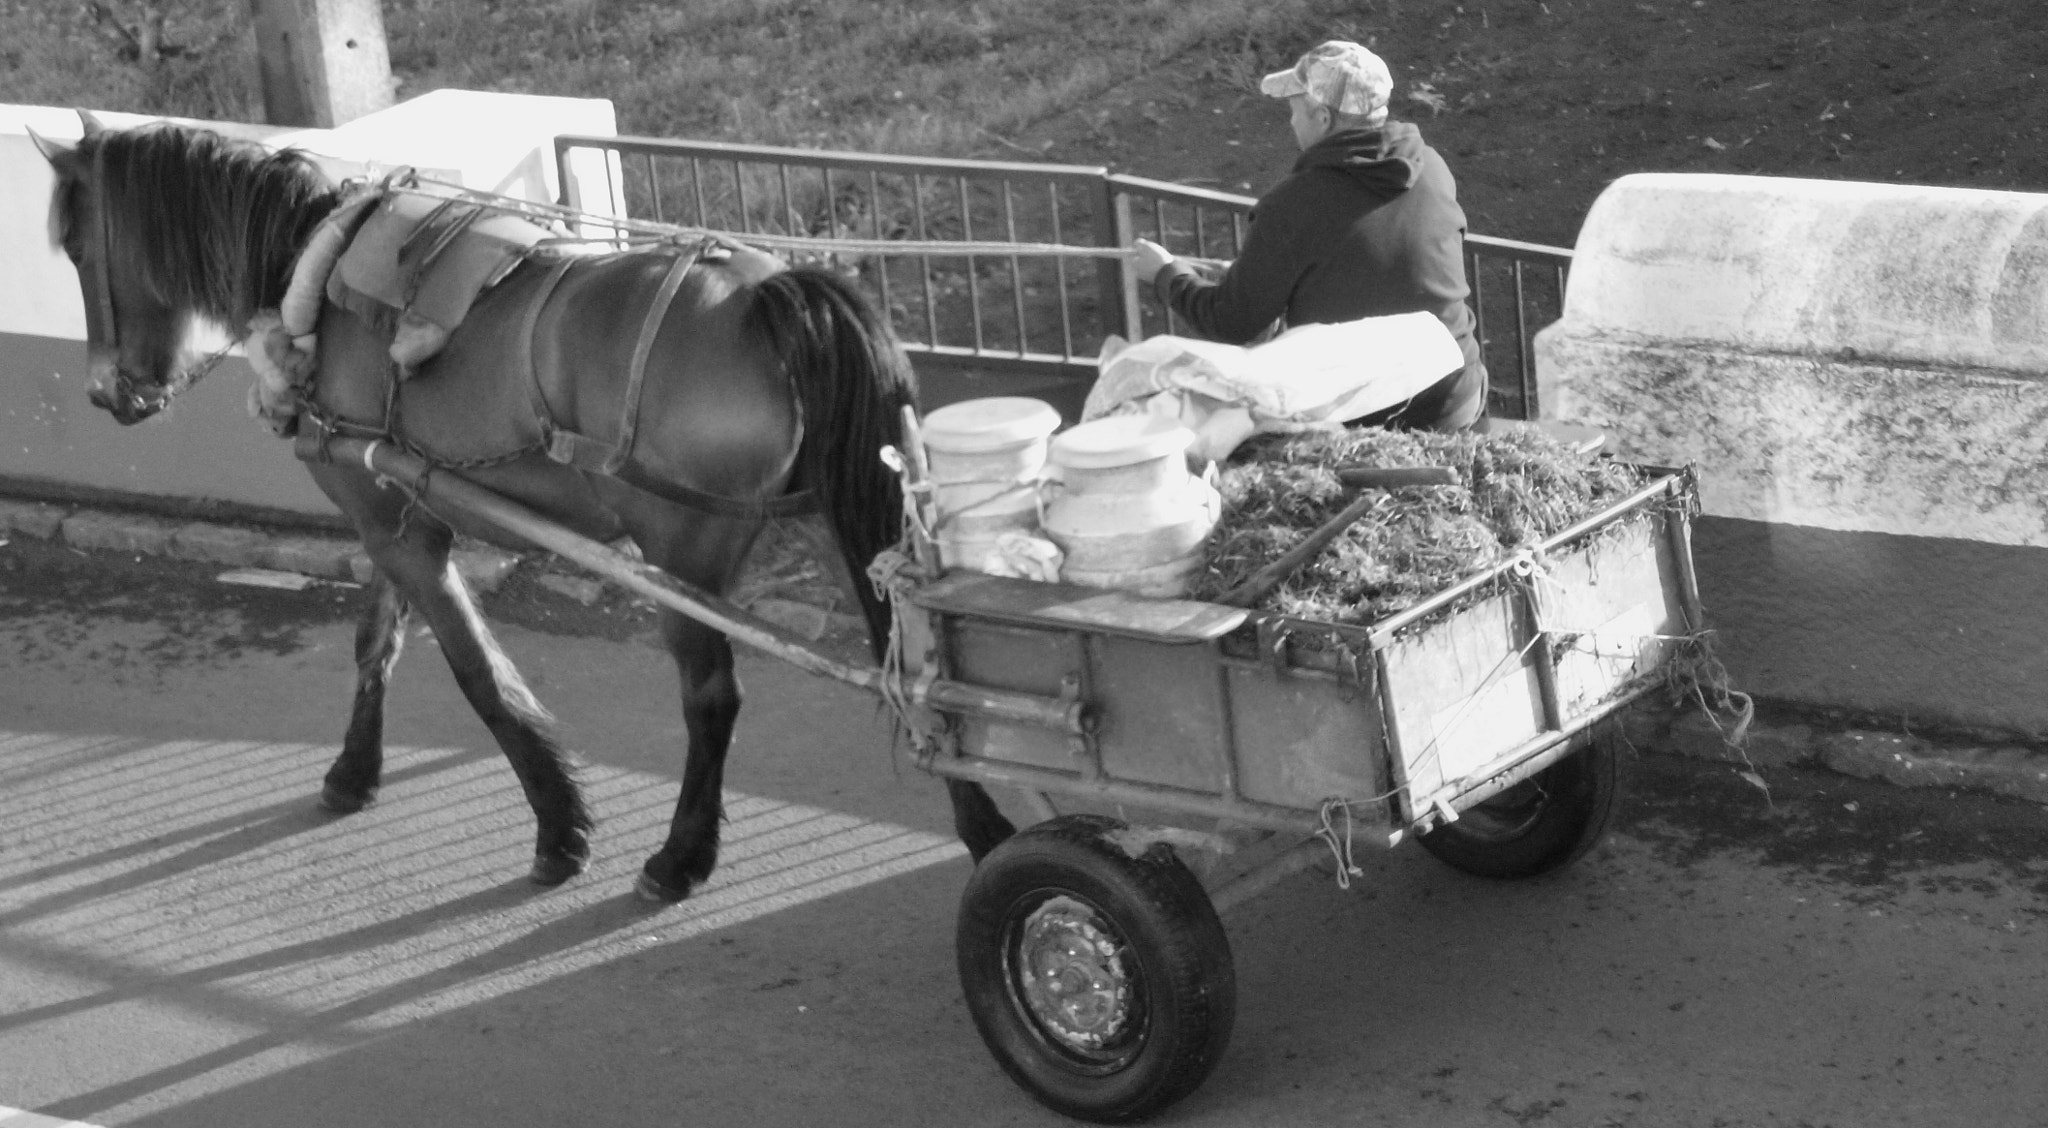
x=1038, y=285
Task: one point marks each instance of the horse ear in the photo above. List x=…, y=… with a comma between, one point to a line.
x=91, y=124
x=52, y=151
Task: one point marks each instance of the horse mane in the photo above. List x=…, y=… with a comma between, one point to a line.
x=215, y=223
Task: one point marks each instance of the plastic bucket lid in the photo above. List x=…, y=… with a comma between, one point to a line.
x=1119, y=440
x=991, y=423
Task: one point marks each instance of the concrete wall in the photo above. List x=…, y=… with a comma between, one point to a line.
x=1860, y=371
x=205, y=452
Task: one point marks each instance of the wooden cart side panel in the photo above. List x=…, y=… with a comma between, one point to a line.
x=1615, y=611
x=1464, y=691
x=1000, y=656
x=1303, y=739
x=1161, y=718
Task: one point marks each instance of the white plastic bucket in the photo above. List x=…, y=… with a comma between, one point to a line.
x=979, y=448
x=987, y=457
x=1123, y=507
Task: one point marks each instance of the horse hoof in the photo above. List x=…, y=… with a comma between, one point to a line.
x=648, y=889
x=554, y=869
x=343, y=802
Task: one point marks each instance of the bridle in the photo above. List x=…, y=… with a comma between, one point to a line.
x=160, y=395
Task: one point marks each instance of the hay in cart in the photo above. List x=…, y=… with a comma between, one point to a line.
x=1515, y=489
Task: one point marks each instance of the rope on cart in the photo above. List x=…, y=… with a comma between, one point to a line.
x=885, y=572
x=1340, y=848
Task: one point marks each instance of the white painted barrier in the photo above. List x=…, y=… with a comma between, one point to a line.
x=1848, y=356
x=1860, y=374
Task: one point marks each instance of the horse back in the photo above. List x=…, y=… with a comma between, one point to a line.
x=593, y=359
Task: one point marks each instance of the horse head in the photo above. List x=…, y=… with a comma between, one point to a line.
x=137, y=342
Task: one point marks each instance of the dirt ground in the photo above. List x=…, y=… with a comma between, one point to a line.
x=1539, y=105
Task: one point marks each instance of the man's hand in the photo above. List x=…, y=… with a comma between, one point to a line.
x=1150, y=259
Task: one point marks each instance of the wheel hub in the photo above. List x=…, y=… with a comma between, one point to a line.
x=1073, y=975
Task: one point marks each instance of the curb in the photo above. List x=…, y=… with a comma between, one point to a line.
x=331, y=557
x=1901, y=759
x=338, y=558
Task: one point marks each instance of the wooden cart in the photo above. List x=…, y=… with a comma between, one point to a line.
x=1184, y=736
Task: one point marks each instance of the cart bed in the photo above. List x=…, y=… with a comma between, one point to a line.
x=1217, y=713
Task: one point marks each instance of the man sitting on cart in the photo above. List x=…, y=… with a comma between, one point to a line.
x=1366, y=224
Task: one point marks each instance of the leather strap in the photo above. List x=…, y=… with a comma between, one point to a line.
x=650, y=328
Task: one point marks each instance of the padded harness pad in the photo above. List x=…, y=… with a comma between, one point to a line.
x=427, y=258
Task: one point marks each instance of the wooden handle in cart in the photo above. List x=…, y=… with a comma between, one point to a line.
x=1353, y=477
x=1393, y=477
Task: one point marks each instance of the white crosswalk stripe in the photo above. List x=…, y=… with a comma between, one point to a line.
x=199, y=875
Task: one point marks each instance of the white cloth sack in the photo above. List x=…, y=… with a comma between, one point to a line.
x=1310, y=377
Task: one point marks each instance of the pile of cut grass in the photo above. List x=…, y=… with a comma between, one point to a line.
x=1516, y=488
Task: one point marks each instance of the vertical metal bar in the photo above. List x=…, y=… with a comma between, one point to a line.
x=1159, y=236
x=1089, y=746
x=1544, y=649
x=562, y=194
x=697, y=190
x=1678, y=528
x=788, y=219
x=1399, y=783
x=1201, y=237
x=875, y=227
x=654, y=191
x=1059, y=273
x=1113, y=230
x=831, y=210
x=1525, y=348
x=1228, y=727
x=931, y=311
x=973, y=281
x=1475, y=281
x=1129, y=285
x=614, y=183
x=739, y=185
x=1016, y=267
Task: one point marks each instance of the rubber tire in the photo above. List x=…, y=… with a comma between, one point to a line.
x=1183, y=982
x=1540, y=825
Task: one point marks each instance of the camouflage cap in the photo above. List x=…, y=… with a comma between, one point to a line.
x=1338, y=74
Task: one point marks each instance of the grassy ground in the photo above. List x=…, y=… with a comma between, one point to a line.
x=1537, y=103
x=923, y=76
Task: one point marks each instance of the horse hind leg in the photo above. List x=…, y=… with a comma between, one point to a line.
x=352, y=781
x=976, y=819
x=711, y=706
x=493, y=687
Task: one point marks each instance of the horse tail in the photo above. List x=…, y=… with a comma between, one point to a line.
x=853, y=381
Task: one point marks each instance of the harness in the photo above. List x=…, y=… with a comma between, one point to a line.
x=421, y=260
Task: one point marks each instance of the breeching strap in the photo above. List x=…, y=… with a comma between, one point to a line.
x=649, y=329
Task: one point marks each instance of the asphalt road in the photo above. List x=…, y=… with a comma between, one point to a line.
x=186, y=941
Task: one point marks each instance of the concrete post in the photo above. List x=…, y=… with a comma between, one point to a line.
x=323, y=62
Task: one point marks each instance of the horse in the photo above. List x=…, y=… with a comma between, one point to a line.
x=746, y=382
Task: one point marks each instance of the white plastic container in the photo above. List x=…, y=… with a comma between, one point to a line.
x=1123, y=507
x=986, y=458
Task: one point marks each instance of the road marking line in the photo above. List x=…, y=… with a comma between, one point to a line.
x=17, y=1118
x=212, y=878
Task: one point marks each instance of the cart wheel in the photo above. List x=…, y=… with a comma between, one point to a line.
x=1544, y=823
x=1101, y=982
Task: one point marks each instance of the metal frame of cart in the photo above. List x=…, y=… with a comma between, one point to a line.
x=1092, y=957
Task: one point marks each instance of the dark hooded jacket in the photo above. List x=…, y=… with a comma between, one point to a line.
x=1367, y=224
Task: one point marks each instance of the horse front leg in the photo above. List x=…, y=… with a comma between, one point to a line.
x=524, y=730
x=352, y=781
x=711, y=705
